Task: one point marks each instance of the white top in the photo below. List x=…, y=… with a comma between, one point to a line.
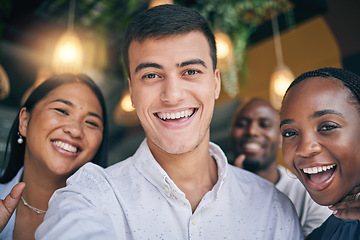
x=311, y=214
x=136, y=199
x=5, y=189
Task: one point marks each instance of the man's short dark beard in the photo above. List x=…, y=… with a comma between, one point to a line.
x=252, y=166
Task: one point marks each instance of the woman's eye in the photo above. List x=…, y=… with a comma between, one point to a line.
x=94, y=124
x=287, y=134
x=191, y=72
x=61, y=111
x=327, y=127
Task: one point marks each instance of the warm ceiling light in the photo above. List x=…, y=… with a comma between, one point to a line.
x=126, y=103
x=124, y=113
x=280, y=80
x=154, y=3
x=226, y=63
x=68, y=56
x=282, y=76
x=223, y=45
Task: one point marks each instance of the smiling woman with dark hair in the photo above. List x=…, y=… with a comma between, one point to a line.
x=60, y=127
x=320, y=125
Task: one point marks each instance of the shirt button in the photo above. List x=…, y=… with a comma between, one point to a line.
x=166, y=189
x=193, y=220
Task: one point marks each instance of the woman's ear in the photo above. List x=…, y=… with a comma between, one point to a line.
x=24, y=117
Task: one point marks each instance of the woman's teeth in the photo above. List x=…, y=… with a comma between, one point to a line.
x=65, y=146
x=315, y=170
x=177, y=115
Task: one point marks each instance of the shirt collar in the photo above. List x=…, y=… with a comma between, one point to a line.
x=146, y=164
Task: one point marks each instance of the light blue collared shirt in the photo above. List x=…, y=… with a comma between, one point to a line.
x=136, y=199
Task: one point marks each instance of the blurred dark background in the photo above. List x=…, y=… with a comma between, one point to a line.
x=29, y=31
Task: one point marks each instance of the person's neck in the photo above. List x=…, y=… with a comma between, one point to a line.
x=194, y=173
x=40, y=185
x=271, y=173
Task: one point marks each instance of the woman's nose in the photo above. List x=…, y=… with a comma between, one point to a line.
x=74, y=128
x=308, y=146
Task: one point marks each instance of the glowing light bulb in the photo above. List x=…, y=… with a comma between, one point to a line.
x=223, y=45
x=68, y=54
x=126, y=103
x=280, y=80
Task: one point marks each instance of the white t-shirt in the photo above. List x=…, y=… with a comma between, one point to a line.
x=136, y=199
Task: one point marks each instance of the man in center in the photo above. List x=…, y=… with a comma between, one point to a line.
x=177, y=185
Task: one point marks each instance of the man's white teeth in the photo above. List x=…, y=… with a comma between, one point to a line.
x=252, y=146
x=177, y=115
x=65, y=146
x=315, y=170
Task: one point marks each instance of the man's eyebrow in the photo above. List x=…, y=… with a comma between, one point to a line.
x=193, y=61
x=147, y=65
x=324, y=112
x=71, y=105
x=286, y=121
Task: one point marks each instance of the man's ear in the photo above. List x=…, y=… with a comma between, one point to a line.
x=131, y=93
x=24, y=117
x=217, y=83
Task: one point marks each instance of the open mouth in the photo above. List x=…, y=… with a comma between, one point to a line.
x=175, y=115
x=67, y=147
x=318, y=175
x=252, y=147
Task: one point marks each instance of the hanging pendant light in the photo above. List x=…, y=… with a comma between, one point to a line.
x=68, y=56
x=282, y=76
x=4, y=84
x=224, y=49
x=124, y=113
x=226, y=63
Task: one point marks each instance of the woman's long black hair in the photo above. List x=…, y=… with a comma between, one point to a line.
x=16, y=151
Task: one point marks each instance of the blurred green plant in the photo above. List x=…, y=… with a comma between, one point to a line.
x=239, y=19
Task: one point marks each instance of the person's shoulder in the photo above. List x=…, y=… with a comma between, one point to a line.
x=250, y=182
x=248, y=178
x=253, y=186
x=119, y=165
x=337, y=228
x=120, y=168
x=89, y=172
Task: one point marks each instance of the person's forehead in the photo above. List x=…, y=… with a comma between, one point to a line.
x=194, y=33
x=170, y=49
x=313, y=85
x=316, y=94
x=258, y=109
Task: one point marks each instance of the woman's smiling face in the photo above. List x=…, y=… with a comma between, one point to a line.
x=320, y=125
x=64, y=130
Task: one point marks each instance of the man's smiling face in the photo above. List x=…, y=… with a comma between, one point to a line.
x=255, y=133
x=173, y=88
